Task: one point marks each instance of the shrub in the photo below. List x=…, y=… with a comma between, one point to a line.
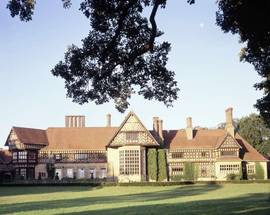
x=162, y=165
x=190, y=171
x=152, y=164
x=232, y=177
x=251, y=177
x=177, y=177
x=259, y=171
x=50, y=170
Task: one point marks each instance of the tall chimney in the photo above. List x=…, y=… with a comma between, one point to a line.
x=155, y=124
x=160, y=129
x=189, y=130
x=229, y=121
x=74, y=121
x=108, y=120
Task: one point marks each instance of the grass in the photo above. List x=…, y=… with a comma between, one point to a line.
x=187, y=199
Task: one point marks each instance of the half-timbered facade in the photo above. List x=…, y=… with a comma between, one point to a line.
x=120, y=153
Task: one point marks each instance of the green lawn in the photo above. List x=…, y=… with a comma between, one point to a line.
x=188, y=199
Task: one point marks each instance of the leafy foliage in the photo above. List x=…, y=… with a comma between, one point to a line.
x=254, y=130
x=259, y=171
x=152, y=164
x=50, y=170
x=190, y=171
x=162, y=165
x=232, y=177
x=118, y=58
x=250, y=20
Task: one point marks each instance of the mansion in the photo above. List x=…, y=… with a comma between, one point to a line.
x=120, y=153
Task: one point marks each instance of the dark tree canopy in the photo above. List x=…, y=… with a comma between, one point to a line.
x=251, y=21
x=121, y=54
x=255, y=131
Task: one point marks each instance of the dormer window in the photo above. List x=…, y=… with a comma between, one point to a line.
x=132, y=136
x=228, y=153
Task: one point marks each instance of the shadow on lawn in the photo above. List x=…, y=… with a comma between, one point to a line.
x=31, y=190
x=253, y=204
x=86, y=201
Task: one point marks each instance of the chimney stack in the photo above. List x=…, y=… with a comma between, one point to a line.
x=160, y=129
x=108, y=120
x=155, y=124
x=74, y=121
x=229, y=121
x=189, y=130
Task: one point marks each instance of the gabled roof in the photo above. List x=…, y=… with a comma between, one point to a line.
x=31, y=135
x=132, y=114
x=203, y=138
x=228, y=137
x=209, y=139
x=248, y=153
x=87, y=138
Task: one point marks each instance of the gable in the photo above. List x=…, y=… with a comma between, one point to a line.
x=13, y=141
x=229, y=142
x=132, y=132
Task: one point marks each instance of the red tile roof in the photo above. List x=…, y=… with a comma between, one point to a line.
x=250, y=154
x=204, y=138
x=91, y=138
x=97, y=138
x=31, y=135
x=208, y=138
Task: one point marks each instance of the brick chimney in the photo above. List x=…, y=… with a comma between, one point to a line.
x=160, y=129
x=108, y=120
x=229, y=121
x=75, y=121
x=189, y=130
x=155, y=124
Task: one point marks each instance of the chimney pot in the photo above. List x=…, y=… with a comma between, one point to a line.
x=229, y=121
x=108, y=120
x=74, y=121
x=189, y=129
x=160, y=129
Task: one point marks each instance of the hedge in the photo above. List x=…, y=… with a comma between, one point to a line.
x=162, y=165
x=259, y=173
x=190, y=171
x=152, y=164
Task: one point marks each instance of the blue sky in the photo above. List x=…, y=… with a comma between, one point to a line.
x=205, y=61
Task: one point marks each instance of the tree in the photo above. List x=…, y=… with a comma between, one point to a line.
x=121, y=52
x=162, y=165
x=251, y=21
x=119, y=57
x=152, y=167
x=254, y=130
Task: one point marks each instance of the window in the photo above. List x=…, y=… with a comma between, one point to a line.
x=177, y=170
x=228, y=153
x=103, y=173
x=129, y=162
x=15, y=156
x=58, y=157
x=81, y=156
x=70, y=173
x=22, y=156
x=23, y=172
x=203, y=154
x=250, y=169
x=132, y=136
x=177, y=155
x=229, y=168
